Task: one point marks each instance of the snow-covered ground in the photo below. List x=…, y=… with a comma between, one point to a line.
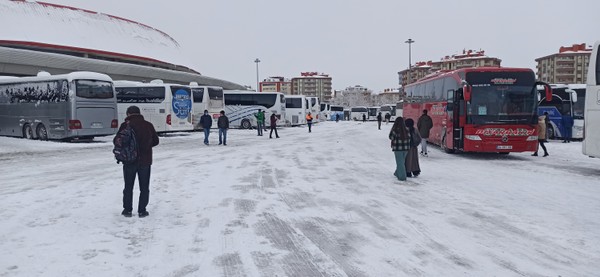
x=318, y=204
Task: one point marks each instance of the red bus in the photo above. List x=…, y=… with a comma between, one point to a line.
x=482, y=109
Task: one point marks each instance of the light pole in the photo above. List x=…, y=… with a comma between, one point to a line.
x=257, y=87
x=409, y=41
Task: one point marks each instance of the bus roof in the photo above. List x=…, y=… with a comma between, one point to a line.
x=69, y=76
x=454, y=73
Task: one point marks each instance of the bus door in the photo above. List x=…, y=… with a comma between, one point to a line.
x=454, y=108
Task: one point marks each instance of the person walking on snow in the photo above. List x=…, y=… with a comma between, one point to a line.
x=206, y=123
x=400, y=142
x=379, y=118
x=223, y=124
x=274, y=120
x=424, y=124
x=309, y=120
x=541, y=129
x=567, y=122
x=260, y=121
x=412, y=157
x=146, y=138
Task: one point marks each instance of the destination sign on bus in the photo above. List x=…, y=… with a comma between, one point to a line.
x=499, y=132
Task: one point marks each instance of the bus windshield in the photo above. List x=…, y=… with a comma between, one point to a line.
x=93, y=89
x=502, y=104
x=579, y=106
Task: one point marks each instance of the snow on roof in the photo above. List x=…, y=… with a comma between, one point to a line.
x=38, y=22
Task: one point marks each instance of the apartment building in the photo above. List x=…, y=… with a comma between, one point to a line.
x=568, y=66
x=273, y=84
x=312, y=84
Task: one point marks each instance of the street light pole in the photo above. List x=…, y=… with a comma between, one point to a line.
x=409, y=41
x=257, y=87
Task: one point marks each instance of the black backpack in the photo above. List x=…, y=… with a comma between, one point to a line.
x=126, y=147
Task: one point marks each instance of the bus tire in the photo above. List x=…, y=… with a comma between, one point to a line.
x=27, y=132
x=41, y=132
x=246, y=124
x=551, y=134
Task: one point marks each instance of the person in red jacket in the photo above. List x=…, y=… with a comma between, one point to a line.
x=146, y=138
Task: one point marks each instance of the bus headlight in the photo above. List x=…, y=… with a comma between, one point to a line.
x=532, y=138
x=473, y=137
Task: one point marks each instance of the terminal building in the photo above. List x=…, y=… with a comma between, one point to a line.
x=58, y=39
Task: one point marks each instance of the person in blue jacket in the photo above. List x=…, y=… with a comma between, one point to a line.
x=567, y=122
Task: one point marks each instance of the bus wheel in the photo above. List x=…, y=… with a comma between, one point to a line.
x=246, y=124
x=27, y=132
x=551, y=134
x=42, y=133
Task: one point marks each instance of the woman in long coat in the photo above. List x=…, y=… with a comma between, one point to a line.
x=541, y=128
x=400, y=141
x=412, y=157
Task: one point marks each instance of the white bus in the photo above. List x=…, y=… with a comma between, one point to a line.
x=357, y=113
x=336, y=112
x=206, y=98
x=399, y=109
x=373, y=112
x=167, y=106
x=314, y=108
x=296, y=107
x=591, y=141
x=241, y=105
x=325, y=111
x=75, y=105
x=388, y=109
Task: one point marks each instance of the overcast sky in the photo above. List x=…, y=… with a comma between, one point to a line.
x=356, y=42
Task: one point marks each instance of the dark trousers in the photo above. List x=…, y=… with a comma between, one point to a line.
x=273, y=128
x=223, y=136
x=206, y=133
x=129, y=173
x=379, y=124
x=259, y=128
x=309, y=127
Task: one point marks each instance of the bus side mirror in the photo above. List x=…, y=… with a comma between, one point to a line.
x=573, y=95
x=547, y=90
x=467, y=92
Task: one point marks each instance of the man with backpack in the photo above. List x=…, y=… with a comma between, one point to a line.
x=133, y=146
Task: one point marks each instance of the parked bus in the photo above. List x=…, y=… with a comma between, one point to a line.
x=241, y=105
x=591, y=141
x=479, y=109
x=356, y=113
x=314, y=107
x=68, y=106
x=566, y=99
x=206, y=98
x=336, y=112
x=388, y=109
x=399, y=109
x=167, y=106
x=373, y=112
x=296, y=107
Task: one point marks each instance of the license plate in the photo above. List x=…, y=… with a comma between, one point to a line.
x=504, y=147
x=97, y=125
x=182, y=123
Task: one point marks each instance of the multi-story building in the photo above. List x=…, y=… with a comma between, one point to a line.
x=353, y=96
x=272, y=84
x=468, y=58
x=388, y=96
x=568, y=66
x=312, y=84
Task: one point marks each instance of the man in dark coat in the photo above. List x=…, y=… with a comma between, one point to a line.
x=146, y=138
x=379, y=118
x=206, y=123
x=273, y=125
x=223, y=124
x=424, y=125
x=567, y=122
